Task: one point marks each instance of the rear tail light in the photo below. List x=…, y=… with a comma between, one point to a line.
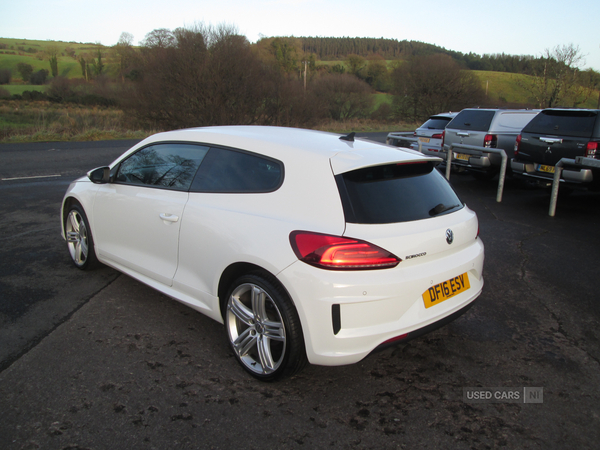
x=490, y=141
x=437, y=136
x=591, y=149
x=443, y=139
x=517, y=145
x=340, y=253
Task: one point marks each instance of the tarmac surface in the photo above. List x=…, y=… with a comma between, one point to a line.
x=100, y=361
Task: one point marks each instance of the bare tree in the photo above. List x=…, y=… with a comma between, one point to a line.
x=125, y=54
x=432, y=84
x=200, y=76
x=161, y=38
x=556, y=78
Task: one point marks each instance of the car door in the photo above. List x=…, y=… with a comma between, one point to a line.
x=137, y=216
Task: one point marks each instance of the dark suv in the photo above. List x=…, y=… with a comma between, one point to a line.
x=554, y=134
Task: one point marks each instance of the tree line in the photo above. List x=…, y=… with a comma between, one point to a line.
x=203, y=75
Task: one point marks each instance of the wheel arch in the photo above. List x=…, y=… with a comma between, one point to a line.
x=236, y=270
x=66, y=206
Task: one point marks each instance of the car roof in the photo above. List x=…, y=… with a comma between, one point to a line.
x=287, y=144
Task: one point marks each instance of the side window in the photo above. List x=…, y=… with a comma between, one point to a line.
x=232, y=171
x=168, y=165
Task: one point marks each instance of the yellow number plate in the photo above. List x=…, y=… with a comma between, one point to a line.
x=448, y=289
x=425, y=140
x=547, y=169
x=461, y=156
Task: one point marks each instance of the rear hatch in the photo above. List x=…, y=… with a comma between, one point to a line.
x=469, y=127
x=407, y=208
x=556, y=134
x=430, y=133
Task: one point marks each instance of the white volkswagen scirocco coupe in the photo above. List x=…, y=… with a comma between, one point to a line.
x=308, y=246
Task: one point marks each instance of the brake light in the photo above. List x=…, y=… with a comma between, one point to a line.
x=490, y=141
x=443, y=139
x=517, y=145
x=340, y=253
x=591, y=149
x=437, y=136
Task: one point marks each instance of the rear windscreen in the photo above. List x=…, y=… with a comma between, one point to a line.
x=396, y=193
x=472, y=119
x=436, y=123
x=563, y=123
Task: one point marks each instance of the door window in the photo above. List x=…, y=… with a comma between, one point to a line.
x=165, y=165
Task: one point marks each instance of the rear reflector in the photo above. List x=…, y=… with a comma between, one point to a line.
x=394, y=339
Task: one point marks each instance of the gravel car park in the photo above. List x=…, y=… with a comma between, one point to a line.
x=308, y=246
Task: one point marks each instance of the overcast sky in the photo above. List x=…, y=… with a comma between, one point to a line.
x=516, y=27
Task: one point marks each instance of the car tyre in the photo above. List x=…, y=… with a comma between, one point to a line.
x=263, y=328
x=78, y=234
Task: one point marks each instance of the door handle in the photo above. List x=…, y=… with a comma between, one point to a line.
x=462, y=133
x=169, y=217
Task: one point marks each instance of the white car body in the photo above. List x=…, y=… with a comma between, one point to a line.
x=182, y=243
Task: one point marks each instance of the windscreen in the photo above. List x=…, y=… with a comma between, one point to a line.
x=396, y=193
x=563, y=123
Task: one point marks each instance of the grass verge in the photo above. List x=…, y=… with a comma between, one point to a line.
x=45, y=121
x=42, y=121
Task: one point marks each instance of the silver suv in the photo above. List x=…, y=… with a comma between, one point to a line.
x=490, y=128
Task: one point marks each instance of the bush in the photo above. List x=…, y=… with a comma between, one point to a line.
x=4, y=93
x=39, y=77
x=34, y=95
x=25, y=70
x=383, y=113
x=343, y=96
x=62, y=89
x=5, y=76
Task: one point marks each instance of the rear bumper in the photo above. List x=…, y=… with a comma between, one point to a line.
x=347, y=315
x=484, y=163
x=569, y=174
x=425, y=330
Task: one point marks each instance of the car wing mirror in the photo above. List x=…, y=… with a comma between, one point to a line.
x=101, y=175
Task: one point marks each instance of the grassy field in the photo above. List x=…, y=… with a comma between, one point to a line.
x=32, y=52
x=507, y=89
x=20, y=88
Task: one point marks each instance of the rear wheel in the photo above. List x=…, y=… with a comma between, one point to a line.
x=263, y=328
x=79, y=238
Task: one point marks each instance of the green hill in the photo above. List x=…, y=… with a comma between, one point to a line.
x=15, y=51
x=507, y=89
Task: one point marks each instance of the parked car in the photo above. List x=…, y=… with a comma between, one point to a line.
x=308, y=246
x=430, y=134
x=555, y=134
x=491, y=128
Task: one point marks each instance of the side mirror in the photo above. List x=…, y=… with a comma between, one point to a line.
x=101, y=175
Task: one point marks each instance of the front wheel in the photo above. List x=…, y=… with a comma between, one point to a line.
x=263, y=328
x=79, y=238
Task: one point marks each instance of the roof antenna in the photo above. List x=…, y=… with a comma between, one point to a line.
x=349, y=137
